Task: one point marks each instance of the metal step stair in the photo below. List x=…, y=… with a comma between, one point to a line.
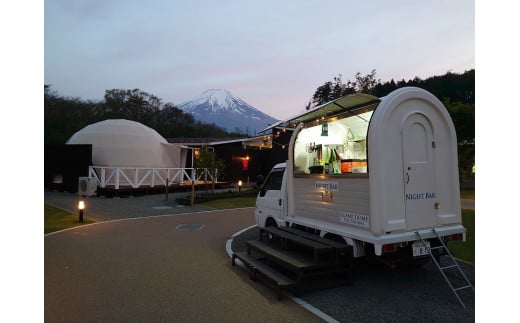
x=453, y=263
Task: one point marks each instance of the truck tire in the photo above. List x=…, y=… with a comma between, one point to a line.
x=270, y=222
x=335, y=238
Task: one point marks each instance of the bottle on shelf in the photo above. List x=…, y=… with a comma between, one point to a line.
x=336, y=163
x=332, y=159
x=327, y=160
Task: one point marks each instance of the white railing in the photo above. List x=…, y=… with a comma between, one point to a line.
x=150, y=177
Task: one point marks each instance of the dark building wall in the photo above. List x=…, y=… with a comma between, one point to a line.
x=280, y=151
x=64, y=164
x=260, y=161
x=234, y=154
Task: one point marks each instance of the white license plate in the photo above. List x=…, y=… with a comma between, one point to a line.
x=419, y=249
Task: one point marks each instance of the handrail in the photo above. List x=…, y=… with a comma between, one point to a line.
x=140, y=176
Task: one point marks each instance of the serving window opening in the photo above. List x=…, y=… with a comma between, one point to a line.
x=334, y=145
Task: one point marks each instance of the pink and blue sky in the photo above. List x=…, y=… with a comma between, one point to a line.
x=272, y=54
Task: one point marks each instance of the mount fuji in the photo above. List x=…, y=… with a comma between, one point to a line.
x=227, y=111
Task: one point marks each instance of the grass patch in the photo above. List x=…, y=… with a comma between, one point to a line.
x=57, y=219
x=204, y=197
x=465, y=250
x=231, y=203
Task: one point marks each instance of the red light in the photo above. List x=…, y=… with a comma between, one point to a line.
x=389, y=248
x=453, y=237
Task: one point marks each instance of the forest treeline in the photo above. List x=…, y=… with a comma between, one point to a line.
x=456, y=91
x=63, y=116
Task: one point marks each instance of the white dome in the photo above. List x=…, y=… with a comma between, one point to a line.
x=125, y=143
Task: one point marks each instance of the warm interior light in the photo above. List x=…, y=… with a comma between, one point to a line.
x=81, y=205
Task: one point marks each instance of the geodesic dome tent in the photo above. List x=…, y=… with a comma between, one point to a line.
x=120, y=143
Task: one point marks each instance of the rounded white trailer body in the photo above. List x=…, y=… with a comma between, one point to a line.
x=400, y=176
x=413, y=167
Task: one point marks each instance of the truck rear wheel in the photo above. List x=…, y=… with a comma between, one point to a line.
x=335, y=238
x=270, y=222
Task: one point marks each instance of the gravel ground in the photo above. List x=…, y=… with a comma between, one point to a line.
x=380, y=294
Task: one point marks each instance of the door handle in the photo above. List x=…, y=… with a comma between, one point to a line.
x=407, y=178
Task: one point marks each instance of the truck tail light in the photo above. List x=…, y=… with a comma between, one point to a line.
x=454, y=237
x=389, y=248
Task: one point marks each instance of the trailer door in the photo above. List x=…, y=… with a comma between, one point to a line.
x=419, y=172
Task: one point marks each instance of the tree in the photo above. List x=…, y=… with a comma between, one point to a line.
x=206, y=159
x=321, y=95
x=337, y=89
x=65, y=116
x=133, y=105
x=328, y=92
x=367, y=83
x=171, y=121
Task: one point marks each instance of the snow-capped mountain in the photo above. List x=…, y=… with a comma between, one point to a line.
x=227, y=111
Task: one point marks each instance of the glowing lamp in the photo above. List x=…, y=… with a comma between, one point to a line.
x=81, y=207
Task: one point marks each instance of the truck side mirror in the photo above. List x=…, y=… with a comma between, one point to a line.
x=262, y=191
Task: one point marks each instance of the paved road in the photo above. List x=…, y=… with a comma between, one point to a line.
x=144, y=269
x=106, y=209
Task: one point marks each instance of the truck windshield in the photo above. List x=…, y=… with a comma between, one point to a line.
x=273, y=182
x=334, y=146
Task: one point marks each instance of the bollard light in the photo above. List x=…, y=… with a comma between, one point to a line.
x=239, y=186
x=81, y=207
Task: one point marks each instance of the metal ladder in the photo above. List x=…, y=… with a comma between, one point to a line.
x=453, y=264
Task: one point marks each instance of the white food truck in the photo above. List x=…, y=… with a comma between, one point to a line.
x=372, y=172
